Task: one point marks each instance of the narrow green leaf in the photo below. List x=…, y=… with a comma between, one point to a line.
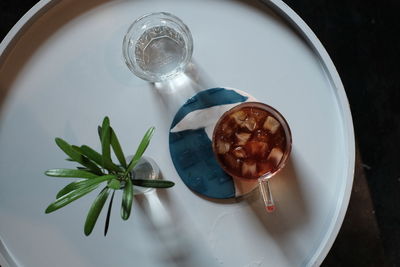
x=105, y=140
x=100, y=179
x=105, y=146
x=77, y=148
x=83, y=169
x=76, y=156
x=140, y=150
x=70, y=187
x=114, y=184
x=92, y=154
x=99, y=131
x=85, y=187
x=153, y=183
x=73, y=186
x=95, y=210
x=70, y=173
x=70, y=197
x=117, y=148
x=96, y=157
x=127, y=198
x=107, y=224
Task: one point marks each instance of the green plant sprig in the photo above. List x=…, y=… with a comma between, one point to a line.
x=99, y=168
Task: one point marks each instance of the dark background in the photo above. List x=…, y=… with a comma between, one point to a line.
x=362, y=38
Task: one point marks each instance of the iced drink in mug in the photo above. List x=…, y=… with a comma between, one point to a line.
x=253, y=141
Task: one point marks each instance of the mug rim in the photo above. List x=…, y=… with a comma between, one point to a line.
x=283, y=122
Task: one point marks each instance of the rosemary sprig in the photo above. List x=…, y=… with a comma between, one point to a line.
x=97, y=169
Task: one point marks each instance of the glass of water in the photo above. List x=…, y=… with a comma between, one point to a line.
x=157, y=47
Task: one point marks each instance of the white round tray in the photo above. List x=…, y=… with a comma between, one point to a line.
x=61, y=72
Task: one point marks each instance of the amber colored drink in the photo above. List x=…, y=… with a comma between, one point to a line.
x=252, y=140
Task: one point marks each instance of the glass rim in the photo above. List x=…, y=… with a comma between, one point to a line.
x=283, y=122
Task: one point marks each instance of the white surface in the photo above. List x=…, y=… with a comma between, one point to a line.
x=66, y=72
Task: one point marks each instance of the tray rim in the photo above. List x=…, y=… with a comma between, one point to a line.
x=309, y=36
x=298, y=24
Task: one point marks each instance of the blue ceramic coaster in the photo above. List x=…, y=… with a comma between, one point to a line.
x=190, y=143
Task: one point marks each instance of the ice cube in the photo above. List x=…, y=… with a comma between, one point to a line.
x=249, y=169
x=239, y=116
x=231, y=161
x=223, y=147
x=257, y=148
x=275, y=156
x=271, y=124
x=250, y=123
x=239, y=152
x=242, y=138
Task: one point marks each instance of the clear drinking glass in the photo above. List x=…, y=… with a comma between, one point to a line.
x=157, y=47
x=146, y=168
x=253, y=141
